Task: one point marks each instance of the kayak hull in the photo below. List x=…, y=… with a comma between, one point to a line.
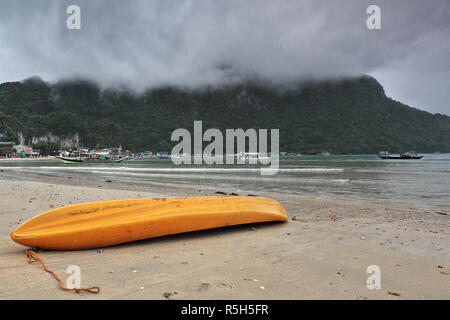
x=106, y=223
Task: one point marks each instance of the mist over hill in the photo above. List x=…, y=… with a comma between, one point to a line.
x=351, y=115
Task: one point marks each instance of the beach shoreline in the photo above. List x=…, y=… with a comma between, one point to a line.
x=322, y=252
x=29, y=159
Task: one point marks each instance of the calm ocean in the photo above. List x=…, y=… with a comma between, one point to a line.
x=421, y=183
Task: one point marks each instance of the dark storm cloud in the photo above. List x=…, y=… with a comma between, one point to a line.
x=192, y=43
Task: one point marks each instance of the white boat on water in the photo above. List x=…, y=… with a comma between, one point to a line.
x=252, y=156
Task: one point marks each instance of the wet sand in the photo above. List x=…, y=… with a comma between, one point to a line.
x=321, y=253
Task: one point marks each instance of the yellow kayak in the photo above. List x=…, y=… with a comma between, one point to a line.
x=106, y=223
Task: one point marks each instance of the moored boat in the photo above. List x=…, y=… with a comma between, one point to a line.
x=70, y=160
x=120, y=160
x=252, y=157
x=411, y=155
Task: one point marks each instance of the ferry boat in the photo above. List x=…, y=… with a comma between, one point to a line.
x=252, y=156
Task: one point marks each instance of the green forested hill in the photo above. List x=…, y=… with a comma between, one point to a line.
x=347, y=116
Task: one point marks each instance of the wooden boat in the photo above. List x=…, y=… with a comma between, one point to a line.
x=120, y=160
x=106, y=223
x=91, y=160
x=70, y=160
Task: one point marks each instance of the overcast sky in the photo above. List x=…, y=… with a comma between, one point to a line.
x=197, y=42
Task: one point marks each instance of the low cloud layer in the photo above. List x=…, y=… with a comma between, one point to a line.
x=142, y=43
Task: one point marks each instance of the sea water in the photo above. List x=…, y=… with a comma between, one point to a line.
x=421, y=183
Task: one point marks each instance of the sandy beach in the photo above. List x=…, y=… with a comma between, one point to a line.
x=29, y=159
x=322, y=252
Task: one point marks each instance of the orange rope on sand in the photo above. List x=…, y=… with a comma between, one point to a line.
x=33, y=257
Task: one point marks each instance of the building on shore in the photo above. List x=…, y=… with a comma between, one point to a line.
x=7, y=149
x=23, y=150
